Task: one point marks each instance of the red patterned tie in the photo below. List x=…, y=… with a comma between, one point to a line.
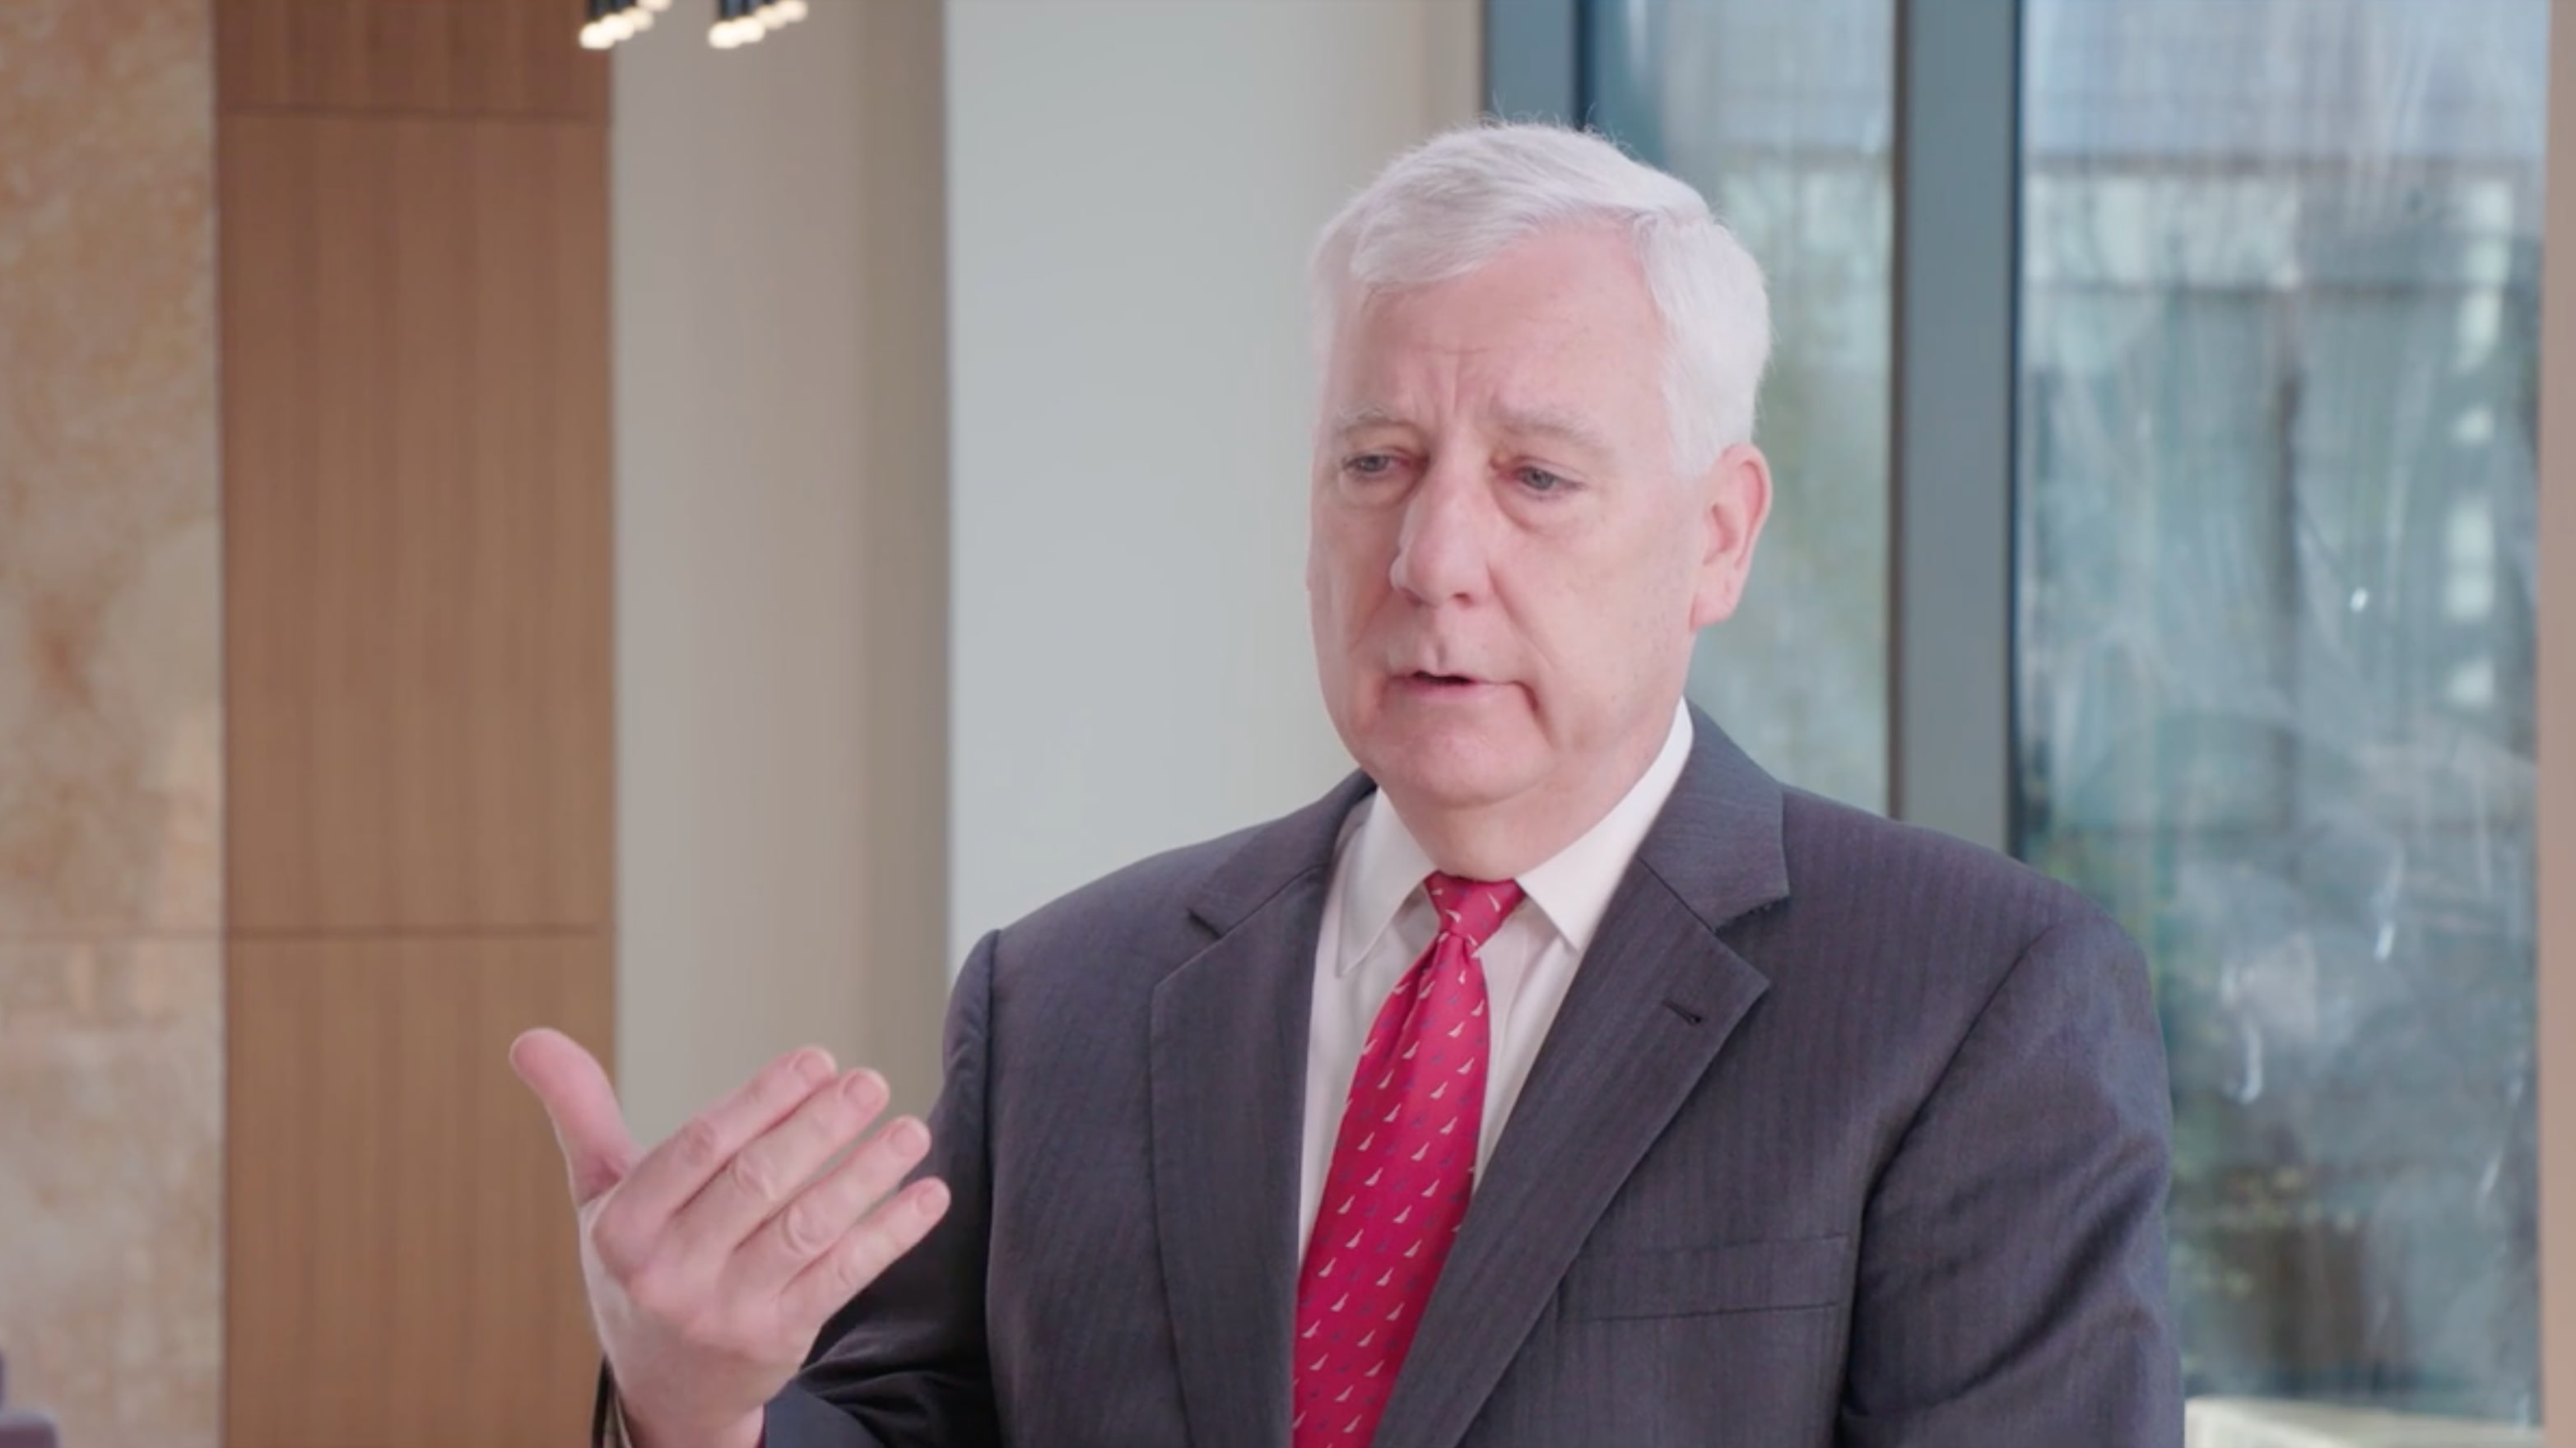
x=1403, y=1167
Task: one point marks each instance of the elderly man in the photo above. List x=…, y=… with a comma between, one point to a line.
x=1558, y=1079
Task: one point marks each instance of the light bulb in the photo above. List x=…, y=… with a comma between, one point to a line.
x=657, y=6
x=752, y=29
x=720, y=35
x=789, y=11
x=615, y=27
x=594, y=38
x=638, y=21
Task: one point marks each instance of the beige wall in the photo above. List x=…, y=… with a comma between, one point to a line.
x=787, y=266
x=1134, y=186
x=111, y=869
x=780, y=425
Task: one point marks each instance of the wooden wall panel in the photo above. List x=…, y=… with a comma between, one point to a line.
x=413, y=299
x=460, y=57
x=416, y=475
x=401, y=1269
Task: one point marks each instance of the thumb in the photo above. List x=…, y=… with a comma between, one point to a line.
x=569, y=1083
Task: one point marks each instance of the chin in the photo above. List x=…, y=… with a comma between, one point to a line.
x=1446, y=770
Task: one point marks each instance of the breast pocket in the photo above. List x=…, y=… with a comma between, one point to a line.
x=1703, y=1281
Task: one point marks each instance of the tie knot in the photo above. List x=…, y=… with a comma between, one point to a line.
x=1472, y=909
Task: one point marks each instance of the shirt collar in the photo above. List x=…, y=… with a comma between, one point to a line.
x=1572, y=888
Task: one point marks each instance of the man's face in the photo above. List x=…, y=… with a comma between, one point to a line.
x=1505, y=568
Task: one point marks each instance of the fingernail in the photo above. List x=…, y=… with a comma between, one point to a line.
x=813, y=1066
x=910, y=1136
x=860, y=1085
x=933, y=1199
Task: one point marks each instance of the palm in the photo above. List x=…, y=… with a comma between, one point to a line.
x=712, y=1260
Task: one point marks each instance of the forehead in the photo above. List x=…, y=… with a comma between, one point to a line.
x=1560, y=321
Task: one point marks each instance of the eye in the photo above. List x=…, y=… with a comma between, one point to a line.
x=1370, y=465
x=1540, y=480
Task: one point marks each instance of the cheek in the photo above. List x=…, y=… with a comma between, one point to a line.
x=1346, y=570
x=1601, y=617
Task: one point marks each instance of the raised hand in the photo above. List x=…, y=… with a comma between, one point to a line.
x=714, y=1259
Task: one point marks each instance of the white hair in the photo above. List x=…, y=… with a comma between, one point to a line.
x=1457, y=201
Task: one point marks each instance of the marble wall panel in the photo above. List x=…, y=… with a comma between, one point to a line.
x=111, y=868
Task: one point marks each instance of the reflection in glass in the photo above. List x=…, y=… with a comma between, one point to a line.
x=1781, y=115
x=2274, y=634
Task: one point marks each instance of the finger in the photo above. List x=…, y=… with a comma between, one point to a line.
x=569, y=1083
x=764, y=1176
x=823, y=1213
x=865, y=1252
x=672, y=1173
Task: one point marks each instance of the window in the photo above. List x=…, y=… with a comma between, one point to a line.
x=1783, y=115
x=2274, y=624
x=2273, y=419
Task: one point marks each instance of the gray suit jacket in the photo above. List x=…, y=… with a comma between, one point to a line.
x=1846, y=1134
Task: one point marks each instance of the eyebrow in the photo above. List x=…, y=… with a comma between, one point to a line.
x=1346, y=423
x=1539, y=422
x=1560, y=426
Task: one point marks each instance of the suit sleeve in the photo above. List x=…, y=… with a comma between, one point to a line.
x=904, y=1364
x=2012, y=1273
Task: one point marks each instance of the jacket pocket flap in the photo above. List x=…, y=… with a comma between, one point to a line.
x=1733, y=1277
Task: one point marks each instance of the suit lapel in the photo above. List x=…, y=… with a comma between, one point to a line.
x=1654, y=1001
x=1228, y=1080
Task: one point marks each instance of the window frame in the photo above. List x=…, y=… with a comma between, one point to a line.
x=2554, y=656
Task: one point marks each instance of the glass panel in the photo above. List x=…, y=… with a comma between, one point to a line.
x=2274, y=621
x=1781, y=115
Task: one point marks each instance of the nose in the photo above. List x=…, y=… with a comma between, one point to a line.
x=1443, y=551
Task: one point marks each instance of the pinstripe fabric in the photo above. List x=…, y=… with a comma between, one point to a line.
x=1846, y=1134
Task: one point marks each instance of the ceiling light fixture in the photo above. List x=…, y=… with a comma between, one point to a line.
x=738, y=22
x=612, y=21
x=743, y=22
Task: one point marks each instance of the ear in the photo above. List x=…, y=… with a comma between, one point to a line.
x=1734, y=498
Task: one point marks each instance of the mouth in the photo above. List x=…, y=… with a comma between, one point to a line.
x=1427, y=681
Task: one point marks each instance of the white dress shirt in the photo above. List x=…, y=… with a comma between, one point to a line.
x=1378, y=921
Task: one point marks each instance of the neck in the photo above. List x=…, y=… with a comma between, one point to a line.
x=1506, y=838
